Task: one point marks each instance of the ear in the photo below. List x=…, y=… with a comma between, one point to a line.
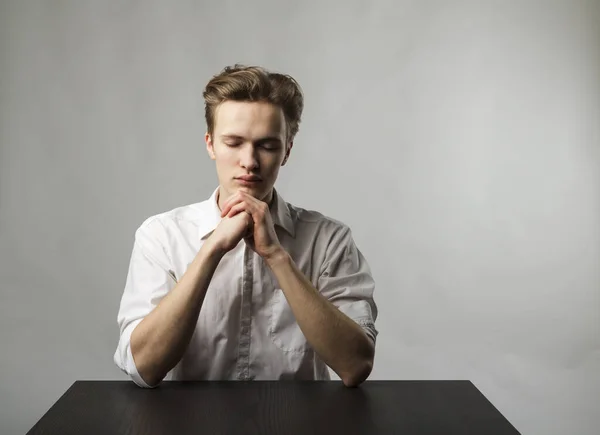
x=209, y=146
x=287, y=153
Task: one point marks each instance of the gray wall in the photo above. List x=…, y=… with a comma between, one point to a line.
x=459, y=140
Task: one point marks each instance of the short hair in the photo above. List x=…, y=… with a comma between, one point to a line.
x=255, y=83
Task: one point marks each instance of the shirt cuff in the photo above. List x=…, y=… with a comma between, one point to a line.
x=369, y=327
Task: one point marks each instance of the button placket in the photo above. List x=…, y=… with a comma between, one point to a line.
x=243, y=362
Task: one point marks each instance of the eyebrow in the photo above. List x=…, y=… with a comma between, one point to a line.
x=261, y=140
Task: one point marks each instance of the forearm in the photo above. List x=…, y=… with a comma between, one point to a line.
x=159, y=341
x=338, y=340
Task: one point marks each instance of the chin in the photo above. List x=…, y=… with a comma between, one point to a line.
x=254, y=191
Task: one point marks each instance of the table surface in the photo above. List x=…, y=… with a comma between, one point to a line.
x=273, y=407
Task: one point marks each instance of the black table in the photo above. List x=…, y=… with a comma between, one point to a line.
x=274, y=407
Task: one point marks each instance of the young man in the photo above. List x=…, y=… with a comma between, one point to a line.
x=244, y=285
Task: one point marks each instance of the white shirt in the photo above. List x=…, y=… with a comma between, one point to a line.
x=246, y=328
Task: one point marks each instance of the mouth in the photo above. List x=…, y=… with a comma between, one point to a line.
x=247, y=181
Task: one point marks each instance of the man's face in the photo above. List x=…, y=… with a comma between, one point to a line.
x=248, y=141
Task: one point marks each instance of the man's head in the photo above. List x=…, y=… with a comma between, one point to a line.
x=252, y=117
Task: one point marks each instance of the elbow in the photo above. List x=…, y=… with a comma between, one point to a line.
x=358, y=375
x=149, y=381
x=362, y=369
x=144, y=373
x=148, y=378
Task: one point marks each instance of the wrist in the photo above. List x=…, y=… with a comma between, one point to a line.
x=212, y=250
x=277, y=257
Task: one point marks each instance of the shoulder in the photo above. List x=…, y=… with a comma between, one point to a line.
x=160, y=226
x=318, y=222
x=186, y=213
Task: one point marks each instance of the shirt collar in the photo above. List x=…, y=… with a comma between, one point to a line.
x=211, y=215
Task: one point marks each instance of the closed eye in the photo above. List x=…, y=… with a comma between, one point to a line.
x=270, y=143
x=267, y=143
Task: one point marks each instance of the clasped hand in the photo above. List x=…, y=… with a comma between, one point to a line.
x=246, y=217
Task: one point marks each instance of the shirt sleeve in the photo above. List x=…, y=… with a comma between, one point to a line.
x=346, y=281
x=148, y=281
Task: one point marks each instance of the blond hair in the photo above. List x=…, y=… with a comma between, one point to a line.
x=254, y=83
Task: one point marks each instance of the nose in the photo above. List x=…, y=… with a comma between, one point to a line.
x=248, y=158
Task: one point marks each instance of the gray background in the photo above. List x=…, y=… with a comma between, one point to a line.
x=458, y=139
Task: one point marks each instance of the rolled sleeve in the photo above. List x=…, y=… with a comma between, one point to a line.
x=148, y=280
x=347, y=282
